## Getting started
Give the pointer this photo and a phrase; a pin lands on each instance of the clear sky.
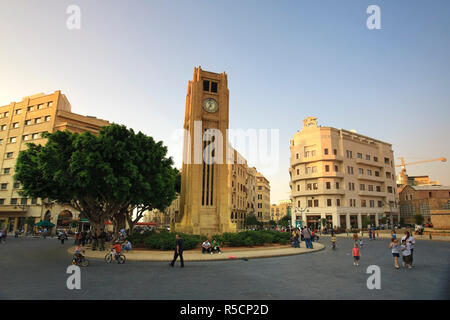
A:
(286, 60)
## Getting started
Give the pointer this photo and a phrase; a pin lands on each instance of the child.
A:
(361, 242)
(333, 241)
(356, 255)
(406, 253)
(394, 249)
(115, 250)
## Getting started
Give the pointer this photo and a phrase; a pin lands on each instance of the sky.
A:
(130, 62)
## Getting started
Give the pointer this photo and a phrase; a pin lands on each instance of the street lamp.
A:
(300, 210)
(391, 204)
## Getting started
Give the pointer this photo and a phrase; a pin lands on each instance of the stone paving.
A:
(196, 255)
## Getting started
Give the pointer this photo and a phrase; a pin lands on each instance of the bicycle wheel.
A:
(108, 258)
(121, 259)
(84, 262)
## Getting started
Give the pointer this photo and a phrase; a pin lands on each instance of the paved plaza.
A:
(36, 269)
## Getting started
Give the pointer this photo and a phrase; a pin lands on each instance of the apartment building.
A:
(280, 210)
(263, 198)
(341, 176)
(24, 122)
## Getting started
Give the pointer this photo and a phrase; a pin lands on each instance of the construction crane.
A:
(404, 176)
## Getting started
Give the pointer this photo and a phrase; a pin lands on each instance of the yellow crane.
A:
(404, 176)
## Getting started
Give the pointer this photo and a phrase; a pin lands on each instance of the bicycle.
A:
(120, 258)
(80, 260)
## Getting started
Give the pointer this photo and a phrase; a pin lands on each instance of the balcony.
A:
(370, 163)
(370, 178)
(318, 175)
(329, 157)
(372, 193)
(305, 193)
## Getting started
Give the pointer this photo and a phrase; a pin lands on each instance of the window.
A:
(378, 188)
(380, 204)
(47, 118)
(338, 202)
(9, 155)
(375, 159)
(309, 186)
(359, 155)
(430, 194)
(310, 203)
(213, 86)
(50, 104)
(1, 142)
(349, 154)
(37, 120)
(360, 170)
(370, 187)
(386, 160)
(16, 185)
(362, 187)
(40, 106)
(388, 175)
(298, 171)
(349, 170)
(6, 170)
(329, 202)
(336, 168)
(13, 200)
(35, 136)
(337, 185)
(27, 122)
(328, 184)
(296, 156)
(205, 85)
(367, 156)
(3, 186)
(308, 170)
(372, 203)
(335, 152)
(15, 125)
(389, 189)
(314, 169)
(315, 186)
(30, 108)
(26, 137)
(363, 203)
(2, 201)
(18, 111)
(12, 140)
(298, 187)
(377, 173)
(306, 154)
(327, 168)
(33, 201)
(23, 201)
(325, 151)
(3, 127)
(5, 114)
(369, 172)
(313, 153)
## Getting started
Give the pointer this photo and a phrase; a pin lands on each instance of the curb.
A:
(223, 257)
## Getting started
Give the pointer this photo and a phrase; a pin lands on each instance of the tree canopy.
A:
(101, 176)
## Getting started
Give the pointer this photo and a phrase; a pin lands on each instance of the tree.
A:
(323, 221)
(365, 221)
(419, 219)
(251, 220)
(105, 177)
(284, 222)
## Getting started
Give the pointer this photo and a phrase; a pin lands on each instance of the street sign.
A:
(298, 224)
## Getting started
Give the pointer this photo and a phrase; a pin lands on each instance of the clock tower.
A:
(204, 199)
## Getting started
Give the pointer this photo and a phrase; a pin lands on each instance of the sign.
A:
(298, 224)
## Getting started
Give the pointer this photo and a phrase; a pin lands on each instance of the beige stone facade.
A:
(280, 210)
(341, 176)
(23, 122)
(263, 198)
(216, 183)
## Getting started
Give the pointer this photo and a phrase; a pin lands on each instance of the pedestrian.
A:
(356, 254)
(395, 250)
(61, 237)
(370, 234)
(45, 233)
(178, 251)
(406, 253)
(355, 237)
(1, 236)
(409, 239)
(307, 235)
(373, 232)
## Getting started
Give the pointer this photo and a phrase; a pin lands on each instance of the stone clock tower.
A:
(204, 199)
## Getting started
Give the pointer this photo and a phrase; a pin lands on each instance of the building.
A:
(24, 122)
(341, 176)
(251, 190)
(214, 181)
(417, 181)
(280, 210)
(422, 200)
(263, 198)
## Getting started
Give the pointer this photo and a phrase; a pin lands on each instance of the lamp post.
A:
(391, 204)
(300, 210)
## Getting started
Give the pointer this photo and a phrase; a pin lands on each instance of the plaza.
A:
(34, 268)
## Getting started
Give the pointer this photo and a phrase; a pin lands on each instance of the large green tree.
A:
(105, 177)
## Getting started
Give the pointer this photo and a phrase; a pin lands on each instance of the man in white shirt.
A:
(206, 246)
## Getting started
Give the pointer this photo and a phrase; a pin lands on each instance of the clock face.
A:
(210, 105)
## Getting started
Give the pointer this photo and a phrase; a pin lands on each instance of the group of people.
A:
(304, 234)
(209, 247)
(404, 247)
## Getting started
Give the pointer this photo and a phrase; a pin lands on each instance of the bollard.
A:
(430, 236)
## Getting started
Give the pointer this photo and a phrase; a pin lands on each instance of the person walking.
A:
(356, 254)
(406, 253)
(45, 233)
(296, 239)
(410, 240)
(395, 250)
(307, 234)
(178, 251)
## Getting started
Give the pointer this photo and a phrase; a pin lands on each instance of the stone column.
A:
(347, 220)
(377, 223)
(304, 218)
(359, 221)
(336, 220)
(16, 221)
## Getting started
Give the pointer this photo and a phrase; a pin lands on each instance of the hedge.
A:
(166, 240)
